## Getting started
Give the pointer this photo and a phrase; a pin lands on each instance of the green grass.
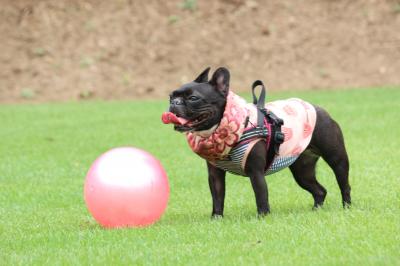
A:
(45, 151)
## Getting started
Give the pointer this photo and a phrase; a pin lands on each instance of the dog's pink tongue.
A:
(168, 118)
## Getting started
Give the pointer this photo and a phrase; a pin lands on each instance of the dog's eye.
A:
(193, 98)
(171, 98)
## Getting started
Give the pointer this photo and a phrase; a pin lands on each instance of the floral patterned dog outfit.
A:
(228, 145)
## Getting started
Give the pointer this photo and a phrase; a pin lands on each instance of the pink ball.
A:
(126, 187)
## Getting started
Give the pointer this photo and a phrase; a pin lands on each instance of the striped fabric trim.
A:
(260, 132)
(234, 160)
(279, 163)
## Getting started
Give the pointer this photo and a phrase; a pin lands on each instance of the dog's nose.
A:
(177, 101)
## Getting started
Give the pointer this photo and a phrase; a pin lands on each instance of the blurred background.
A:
(129, 49)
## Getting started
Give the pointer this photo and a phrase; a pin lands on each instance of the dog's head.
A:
(200, 104)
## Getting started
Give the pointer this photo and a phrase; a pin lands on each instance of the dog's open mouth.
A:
(183, 124)
(171, 118)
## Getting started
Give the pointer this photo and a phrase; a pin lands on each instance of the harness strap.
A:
(276, 137)
(260, 102)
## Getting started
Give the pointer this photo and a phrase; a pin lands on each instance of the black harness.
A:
(276, 137)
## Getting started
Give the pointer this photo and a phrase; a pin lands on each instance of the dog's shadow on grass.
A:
(278, 213)
(235, 216)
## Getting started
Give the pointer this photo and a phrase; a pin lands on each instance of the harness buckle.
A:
(279, 137)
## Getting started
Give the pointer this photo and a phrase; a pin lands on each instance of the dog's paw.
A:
(317, 206)
(346, 205)
(262, 214)
(216, 217)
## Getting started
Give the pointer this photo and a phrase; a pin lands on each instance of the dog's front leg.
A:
(255, 168)
(216, 180)
(261, 193)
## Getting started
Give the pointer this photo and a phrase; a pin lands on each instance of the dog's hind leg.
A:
(303, 170)
(339, 163)
(340, 167)
(328, 140)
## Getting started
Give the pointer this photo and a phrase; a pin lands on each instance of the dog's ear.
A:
(203, 77)
(220, 80)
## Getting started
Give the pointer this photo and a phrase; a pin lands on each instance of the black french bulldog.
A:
(199, 106)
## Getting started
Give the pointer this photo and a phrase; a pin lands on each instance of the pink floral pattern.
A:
(299, 121)
(226, 134)
(288, 132)
(218, 144)
(289, 110)
(307, 130)
(297, 150)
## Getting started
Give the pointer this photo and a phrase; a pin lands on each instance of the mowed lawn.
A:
(46, 150)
